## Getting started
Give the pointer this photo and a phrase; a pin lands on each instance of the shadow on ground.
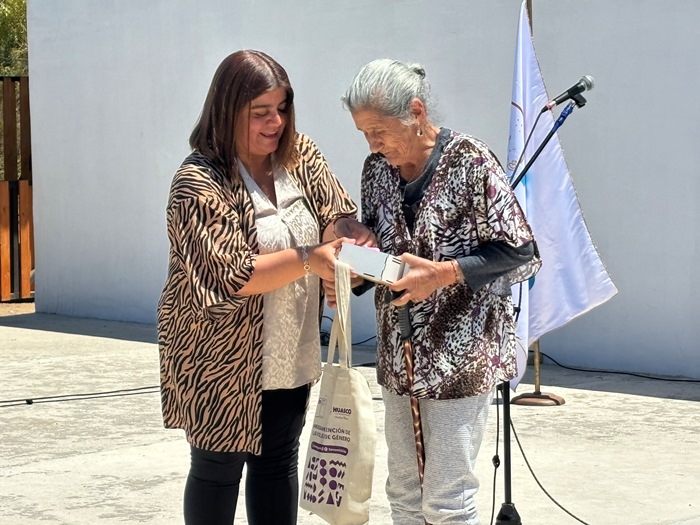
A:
(364, 355)
(613, 382)
(144, 333)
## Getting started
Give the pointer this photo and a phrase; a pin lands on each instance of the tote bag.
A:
(337, 475)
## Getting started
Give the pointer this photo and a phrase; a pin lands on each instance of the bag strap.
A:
(340, 330)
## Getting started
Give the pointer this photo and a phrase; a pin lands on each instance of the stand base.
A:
(508, 514)
(538, 399)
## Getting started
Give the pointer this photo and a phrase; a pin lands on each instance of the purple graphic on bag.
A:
(323, 481)
(329, 449)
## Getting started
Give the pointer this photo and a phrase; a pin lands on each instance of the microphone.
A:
(586, 83)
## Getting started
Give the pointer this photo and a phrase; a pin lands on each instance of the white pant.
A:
(452, 433)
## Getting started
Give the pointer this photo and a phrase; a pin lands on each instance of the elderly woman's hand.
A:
(423, 278)
(354, 229)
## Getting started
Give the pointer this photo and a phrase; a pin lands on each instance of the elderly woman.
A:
(440, 200)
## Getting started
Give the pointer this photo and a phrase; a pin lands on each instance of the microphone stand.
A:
(577, 100)
(508, 513)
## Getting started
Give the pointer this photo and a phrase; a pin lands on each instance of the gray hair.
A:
(387, 86)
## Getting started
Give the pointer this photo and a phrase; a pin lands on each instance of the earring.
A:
(419, 132)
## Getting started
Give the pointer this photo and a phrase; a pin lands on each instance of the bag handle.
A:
(340, 330)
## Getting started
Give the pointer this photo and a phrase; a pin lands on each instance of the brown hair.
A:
(241, 77)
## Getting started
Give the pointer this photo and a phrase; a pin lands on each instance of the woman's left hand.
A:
(422, 279)
(349, 230)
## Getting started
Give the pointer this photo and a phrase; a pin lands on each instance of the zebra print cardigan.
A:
(463, 340)
(210, 339)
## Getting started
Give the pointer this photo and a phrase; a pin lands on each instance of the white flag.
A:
(572, 279)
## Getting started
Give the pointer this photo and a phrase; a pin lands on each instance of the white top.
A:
(291, 336)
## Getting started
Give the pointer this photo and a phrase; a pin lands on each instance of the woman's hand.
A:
(349, 230)
(322, 258)
(329, 283)
(329, 288)
(329, 291)
(422, 279)
(354, 229)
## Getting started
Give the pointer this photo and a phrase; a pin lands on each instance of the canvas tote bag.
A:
(337, 475)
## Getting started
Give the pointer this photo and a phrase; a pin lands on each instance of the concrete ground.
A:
(91, 447)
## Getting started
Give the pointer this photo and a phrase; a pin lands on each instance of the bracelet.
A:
(458, 271)
(305, 260)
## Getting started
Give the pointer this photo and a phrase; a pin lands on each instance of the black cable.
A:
(366, 340)
(497, 463)
(117, 393)
(537, 480)
(527, 141)
(517, 308)
(496, 460)
(326, 336)
(79, 397)
(643, 376)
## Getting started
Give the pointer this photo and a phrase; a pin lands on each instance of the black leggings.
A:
(272, 482)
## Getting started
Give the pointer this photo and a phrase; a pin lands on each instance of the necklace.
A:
(427, 144)
(263, 172)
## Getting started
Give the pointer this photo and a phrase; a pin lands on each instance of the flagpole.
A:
(537, 398)
(528, 6)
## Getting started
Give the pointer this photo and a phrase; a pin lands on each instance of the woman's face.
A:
(262, 124)
(388, 136)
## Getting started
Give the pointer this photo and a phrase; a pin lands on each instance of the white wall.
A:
(117, 85)
(634, 157)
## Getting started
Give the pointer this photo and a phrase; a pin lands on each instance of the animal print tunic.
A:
(210, 338)
(463, 341)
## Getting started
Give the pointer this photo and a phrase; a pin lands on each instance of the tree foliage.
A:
(13, 37)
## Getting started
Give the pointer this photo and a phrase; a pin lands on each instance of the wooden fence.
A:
(16, 217)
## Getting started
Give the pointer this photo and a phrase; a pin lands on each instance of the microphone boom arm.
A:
(562, 117)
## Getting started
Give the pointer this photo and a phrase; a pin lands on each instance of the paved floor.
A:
(621, 451)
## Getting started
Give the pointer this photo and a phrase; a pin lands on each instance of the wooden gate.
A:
(16, 221)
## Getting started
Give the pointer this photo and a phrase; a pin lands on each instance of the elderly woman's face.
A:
(388, 136)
